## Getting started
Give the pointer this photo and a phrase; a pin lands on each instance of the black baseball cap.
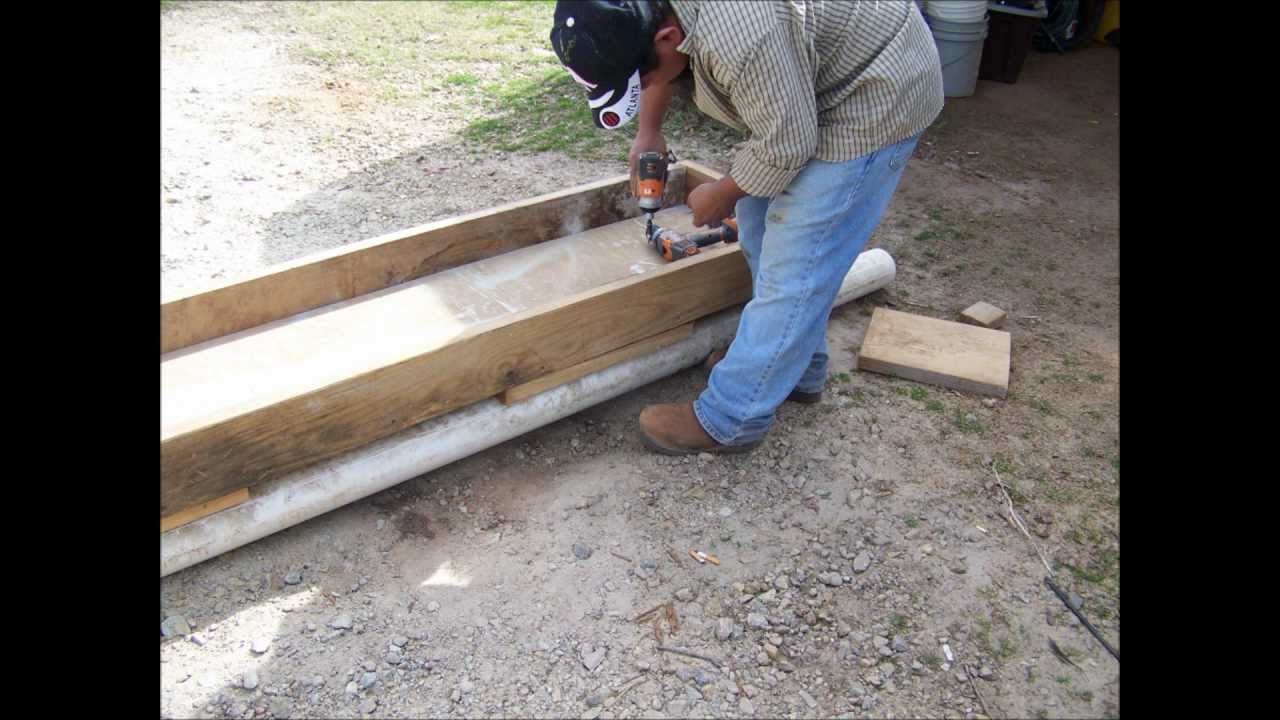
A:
(605, 45)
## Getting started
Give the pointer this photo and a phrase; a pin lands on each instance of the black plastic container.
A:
(1009, 33)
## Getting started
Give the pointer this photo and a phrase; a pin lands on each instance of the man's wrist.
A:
(728, 188)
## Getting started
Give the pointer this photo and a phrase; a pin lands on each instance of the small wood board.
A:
(983, 314)
(939, 352)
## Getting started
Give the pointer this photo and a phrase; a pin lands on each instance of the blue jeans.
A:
(799, 246)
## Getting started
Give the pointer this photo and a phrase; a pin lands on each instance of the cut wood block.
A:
(984, 314)
(939, 352)
(568, 375)
(192, 514)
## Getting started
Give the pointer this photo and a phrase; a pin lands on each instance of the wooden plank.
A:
(568, 375)
(251, 370)
(939, 352)
(192, 514)
(347, 375)
(190, 318)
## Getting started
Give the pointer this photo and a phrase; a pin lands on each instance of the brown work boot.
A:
(673, 429)
(808, 398)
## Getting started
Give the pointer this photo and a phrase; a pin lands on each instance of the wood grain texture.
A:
(242, 410)
(983, 314)
(568, 375)
(939, 352)
(190, 318)
(192, 514)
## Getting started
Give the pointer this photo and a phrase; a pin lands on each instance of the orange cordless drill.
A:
(650, 183)
(673, 245)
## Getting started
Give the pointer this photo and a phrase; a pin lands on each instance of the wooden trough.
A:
(308, 360)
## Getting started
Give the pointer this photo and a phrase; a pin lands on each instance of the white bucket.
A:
(960, 51)
(956, 11)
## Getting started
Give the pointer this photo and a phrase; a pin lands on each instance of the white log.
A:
(332, 483)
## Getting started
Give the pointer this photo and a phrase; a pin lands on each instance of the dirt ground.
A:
(865, 558)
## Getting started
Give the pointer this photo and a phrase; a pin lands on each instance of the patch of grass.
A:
(1096, 377)
(964, 424)
(1083, 573)
(1003, 466)
(1115, 463)
(1094, 414)
(1041, 405)
(984, 631)
(1063, 679)
(933, 662)
(919, 393)
(1015, 492)
(1059, 379)
(844, 377)
(1006, 649)
(899, 622)
(439, 56)
(539, 115)
(1070, 361)
(1056, 491)
(462, 79)
(1085, 695)
(934, 406)
(901, 390)
(911, 521)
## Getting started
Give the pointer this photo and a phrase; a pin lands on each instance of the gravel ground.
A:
(865, 565)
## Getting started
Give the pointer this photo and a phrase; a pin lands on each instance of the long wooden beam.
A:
(344, 273)
(204, 457)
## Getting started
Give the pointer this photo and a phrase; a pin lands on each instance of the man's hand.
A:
(645, 141)
(713, 202)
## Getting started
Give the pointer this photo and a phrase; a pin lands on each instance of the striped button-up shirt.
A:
(830, 80)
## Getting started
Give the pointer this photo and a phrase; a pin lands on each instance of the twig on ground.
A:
(628, 685)
(969, 674)
(689, 653)
(1062, 655)
(645, 615)
(620, 557)
(1017, 521)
